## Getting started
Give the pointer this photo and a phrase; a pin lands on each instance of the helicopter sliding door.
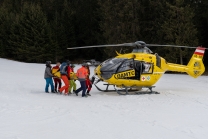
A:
(142, 67)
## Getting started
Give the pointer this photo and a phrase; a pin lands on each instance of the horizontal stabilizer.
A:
(195, 65)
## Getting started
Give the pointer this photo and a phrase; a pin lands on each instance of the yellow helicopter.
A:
(141, 68)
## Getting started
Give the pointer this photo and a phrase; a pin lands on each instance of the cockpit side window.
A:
(111, 65)
(126, 65)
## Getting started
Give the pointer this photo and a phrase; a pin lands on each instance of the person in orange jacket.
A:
(82, 75)
(56, 79)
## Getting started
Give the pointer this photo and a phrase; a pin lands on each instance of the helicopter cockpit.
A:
(118, 65)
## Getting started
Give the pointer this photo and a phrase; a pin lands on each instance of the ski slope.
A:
(180, 111)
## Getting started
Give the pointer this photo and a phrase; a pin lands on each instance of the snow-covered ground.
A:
(180, 111)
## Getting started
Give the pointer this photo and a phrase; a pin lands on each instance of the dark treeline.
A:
(40, 30)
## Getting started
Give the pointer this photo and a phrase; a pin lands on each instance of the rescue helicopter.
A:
(141, 68)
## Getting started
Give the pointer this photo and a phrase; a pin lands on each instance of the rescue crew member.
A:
(73, 77)
(82, 75)
(65, 76)
(57, 76)
(88, 81)
(48, 77)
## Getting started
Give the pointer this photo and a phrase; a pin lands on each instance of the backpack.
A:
(63, 68)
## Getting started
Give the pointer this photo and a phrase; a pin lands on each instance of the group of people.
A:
(64, 73)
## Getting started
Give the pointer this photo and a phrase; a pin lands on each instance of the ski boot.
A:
(88, 93)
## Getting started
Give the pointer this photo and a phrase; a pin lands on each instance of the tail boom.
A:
(195, 66)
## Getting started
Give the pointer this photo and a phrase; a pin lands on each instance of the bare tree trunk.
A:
(181, 57)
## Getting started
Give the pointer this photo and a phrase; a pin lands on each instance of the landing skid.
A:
(106, 90)
(107, 85)
(125, 91)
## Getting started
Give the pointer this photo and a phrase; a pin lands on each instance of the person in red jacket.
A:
(57, 80)
(88, 81)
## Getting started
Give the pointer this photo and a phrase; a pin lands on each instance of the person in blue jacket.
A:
(48, 77)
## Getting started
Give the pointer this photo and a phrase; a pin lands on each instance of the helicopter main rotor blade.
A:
(158, 45)
(108, 45)
(138, 44)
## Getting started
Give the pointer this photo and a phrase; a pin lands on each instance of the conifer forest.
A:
(35, 31)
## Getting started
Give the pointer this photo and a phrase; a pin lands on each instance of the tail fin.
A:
(195, 65)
